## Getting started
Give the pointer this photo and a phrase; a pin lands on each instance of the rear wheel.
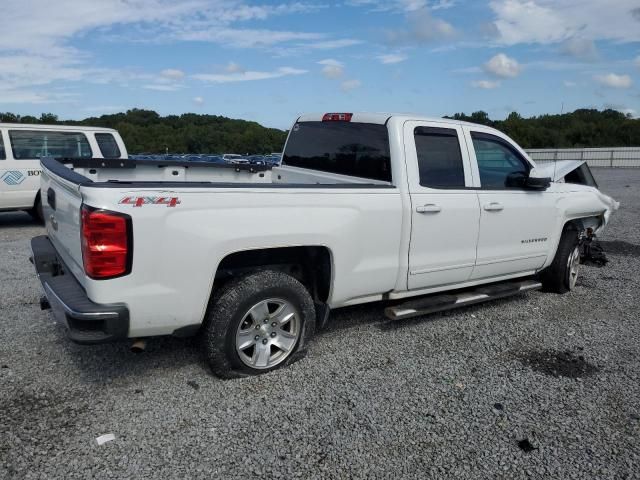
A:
(561, 276)
(257, 323)
(36, 211)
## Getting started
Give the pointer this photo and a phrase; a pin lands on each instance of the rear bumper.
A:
(86, 321)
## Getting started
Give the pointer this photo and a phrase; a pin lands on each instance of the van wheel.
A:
(561, 276)
(257, 323)
(36, 211)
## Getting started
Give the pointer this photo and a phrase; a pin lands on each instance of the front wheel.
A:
(257, 323)
(561, 276)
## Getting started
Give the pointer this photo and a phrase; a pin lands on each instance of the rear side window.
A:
(439, 157)
(33, 144)
(346, 148)
(3, 154)
(498, 162)
(108, 146)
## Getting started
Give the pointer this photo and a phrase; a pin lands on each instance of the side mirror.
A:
(537, 183)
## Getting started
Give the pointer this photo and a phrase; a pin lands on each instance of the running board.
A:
(448, 301)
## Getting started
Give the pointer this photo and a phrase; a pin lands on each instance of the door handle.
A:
(429, 208)
(493, 207)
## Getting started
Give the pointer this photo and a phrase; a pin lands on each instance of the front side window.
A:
(500, 165)
(3, 154)
(346, 148)
(439, 157)
(35, 144)
(108, 146)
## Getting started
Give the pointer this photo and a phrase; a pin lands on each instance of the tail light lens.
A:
(106, 243)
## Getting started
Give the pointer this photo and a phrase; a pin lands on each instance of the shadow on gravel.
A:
(557, 364)
(102, 363)
(620, 247)
(17, 220)
(30, 418)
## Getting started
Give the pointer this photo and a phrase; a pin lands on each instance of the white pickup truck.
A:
(363, 208)
(22, 145)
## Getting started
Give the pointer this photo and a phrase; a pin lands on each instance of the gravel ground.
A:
(532, 386)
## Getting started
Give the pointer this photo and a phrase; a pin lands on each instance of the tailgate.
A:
(61, 202)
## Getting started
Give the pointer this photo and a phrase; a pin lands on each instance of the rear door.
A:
(514, 222)
(445, 212)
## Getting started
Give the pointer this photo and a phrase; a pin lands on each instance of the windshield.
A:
(345, 148)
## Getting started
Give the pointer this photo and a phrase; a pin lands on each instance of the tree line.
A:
(144, 131)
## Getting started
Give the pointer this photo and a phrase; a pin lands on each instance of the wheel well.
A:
(582, 224)
(310, 265)
(36, 199)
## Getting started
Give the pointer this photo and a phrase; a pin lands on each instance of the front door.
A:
(445, 212)
(514, 222)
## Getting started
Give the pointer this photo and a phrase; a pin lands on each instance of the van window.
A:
(346, 148)
(108, 146)
(439, 157)
(3, 155)
(34, 144)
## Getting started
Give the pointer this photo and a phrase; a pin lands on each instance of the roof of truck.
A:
(381, 118)
(43, 126)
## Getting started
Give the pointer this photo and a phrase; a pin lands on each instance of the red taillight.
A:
(106, 243)
(337, 117)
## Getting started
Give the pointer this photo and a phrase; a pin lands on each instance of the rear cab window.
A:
(35, 144)
(3, 153)
(344, 148)
(108, 145)
(440, 162)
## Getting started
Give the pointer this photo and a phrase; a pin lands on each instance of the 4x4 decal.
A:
(140, 201)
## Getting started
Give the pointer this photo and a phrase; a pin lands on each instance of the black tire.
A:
(230, 307)
(556, 277)
(36, 211)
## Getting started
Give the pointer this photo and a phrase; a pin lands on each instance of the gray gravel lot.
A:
(449, 395)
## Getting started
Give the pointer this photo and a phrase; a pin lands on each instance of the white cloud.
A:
(332, 68)
(332, 44)
(553, 21)
(612, 80)
(569, 84)
(422, 28)
(172, 74)
(581, 48)
(244, 38)
(401, 5)
(233, 67)
(37, 36)
(349, 85)
(392, 58)
(163, 87)
(485, 84)
(248, 75)
(199, 101)
(503, 66)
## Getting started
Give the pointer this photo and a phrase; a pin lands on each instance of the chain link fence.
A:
(623, 157)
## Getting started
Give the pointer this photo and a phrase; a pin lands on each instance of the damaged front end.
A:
(577, 172)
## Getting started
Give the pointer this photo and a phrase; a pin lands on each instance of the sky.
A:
(270, 61)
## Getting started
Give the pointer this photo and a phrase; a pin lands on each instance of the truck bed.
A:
(98, 172)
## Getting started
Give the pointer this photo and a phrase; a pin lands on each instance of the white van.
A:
(22, 146)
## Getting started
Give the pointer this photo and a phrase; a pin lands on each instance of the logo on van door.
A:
(13, 177)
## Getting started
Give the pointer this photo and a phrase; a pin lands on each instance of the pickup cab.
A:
(424, 214)
(22, 146)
